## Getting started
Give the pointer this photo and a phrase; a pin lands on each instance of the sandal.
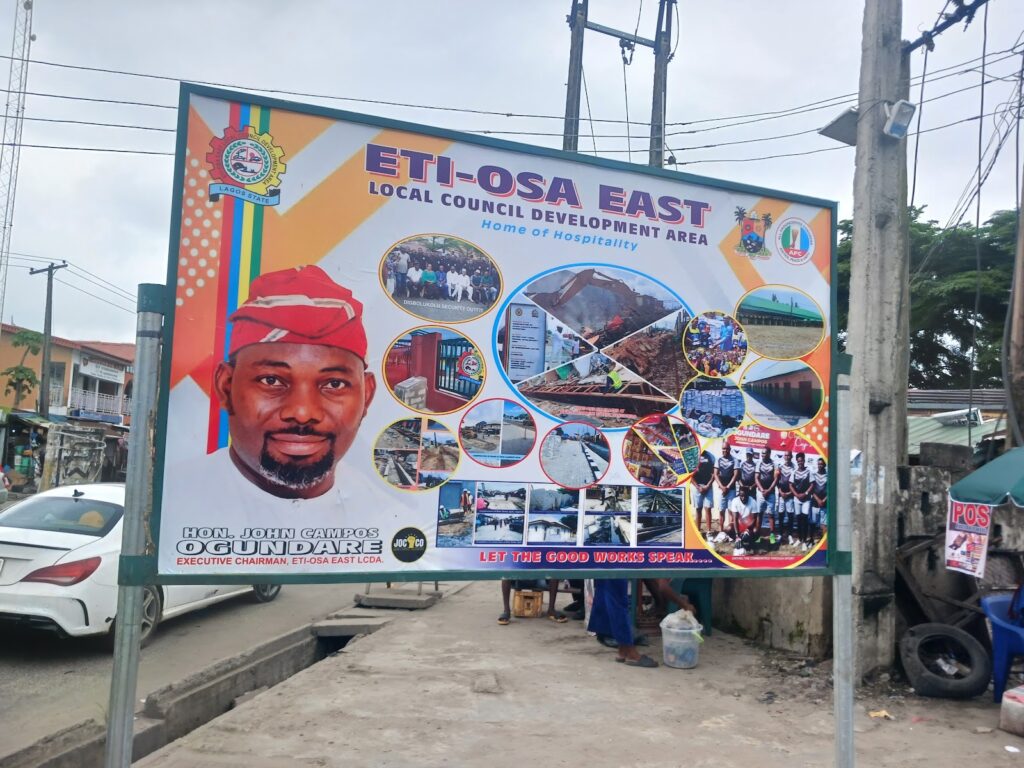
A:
(558, 618)
(504, 618)
(644, 661)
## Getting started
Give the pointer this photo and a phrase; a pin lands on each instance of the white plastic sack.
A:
(681, 619)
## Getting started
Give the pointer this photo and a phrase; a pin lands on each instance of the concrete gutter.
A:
(174, 710)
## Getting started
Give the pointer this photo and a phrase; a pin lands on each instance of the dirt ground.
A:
(778, 341)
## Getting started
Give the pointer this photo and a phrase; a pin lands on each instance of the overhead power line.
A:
(409, 105)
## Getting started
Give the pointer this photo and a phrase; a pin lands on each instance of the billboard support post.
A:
(138, 502)
(842, 586)
(578, 22)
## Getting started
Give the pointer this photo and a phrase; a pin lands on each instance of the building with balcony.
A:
(89, 380)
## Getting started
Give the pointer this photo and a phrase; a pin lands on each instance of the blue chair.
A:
(699, 592)
(1007, 640)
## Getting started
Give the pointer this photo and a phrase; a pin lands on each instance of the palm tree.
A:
(741, 214)
(767, 219)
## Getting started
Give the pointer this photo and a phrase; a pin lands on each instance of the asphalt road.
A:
(47, 684)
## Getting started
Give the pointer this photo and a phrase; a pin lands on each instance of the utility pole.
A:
(577, 23)
(661, 46)
(1015, 350)
(44, 395)
(662, 52)
(879, 329)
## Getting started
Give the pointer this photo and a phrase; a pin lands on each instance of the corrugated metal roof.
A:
(754, 304)
(926, 429)
(956, 399)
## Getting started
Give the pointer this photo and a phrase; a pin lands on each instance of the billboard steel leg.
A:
(138, 502)
(842, 585)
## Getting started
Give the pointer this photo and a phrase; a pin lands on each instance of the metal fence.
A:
(448, 379)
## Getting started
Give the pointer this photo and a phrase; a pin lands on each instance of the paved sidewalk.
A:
(449, 687)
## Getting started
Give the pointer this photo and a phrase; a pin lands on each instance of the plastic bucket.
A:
(681, 647)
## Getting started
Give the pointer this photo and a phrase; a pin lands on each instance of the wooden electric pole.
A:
(44, 385)
(878, 332)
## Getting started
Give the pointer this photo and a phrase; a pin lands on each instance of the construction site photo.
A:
(416, 454)
(607, 518)
(456, 503)
(574, 455)
(781, 322)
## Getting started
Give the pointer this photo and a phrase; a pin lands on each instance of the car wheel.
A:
(152, 611)
(944, 662)
(265, 593)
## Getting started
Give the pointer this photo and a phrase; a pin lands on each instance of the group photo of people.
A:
(438, 277)
(765, 501)
(715, 344)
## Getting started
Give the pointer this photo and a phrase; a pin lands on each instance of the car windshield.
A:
(63, 514)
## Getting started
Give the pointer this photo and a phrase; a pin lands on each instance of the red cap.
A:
(302, 305)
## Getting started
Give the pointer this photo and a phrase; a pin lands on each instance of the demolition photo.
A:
(713, 407)
(530, 342)
(442, 278)
(456, 503)
(656, 353)
(497, 433)
(434, 370)
(715, 344)
(783, 395)
(660, 451)
(574, 455)
(782, 323)
(597, 390)
(602, 304)
(498, 528)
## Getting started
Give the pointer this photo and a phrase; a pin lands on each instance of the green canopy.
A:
(992, 483)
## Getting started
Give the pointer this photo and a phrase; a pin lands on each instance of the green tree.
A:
(21, 379)
(943, 281)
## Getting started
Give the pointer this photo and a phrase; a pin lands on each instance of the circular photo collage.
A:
(575, 455)
(497, 433)
(416, 454)
(660, 451)
(441, 278)
(715, 344)
(434, 370)
(598, 344)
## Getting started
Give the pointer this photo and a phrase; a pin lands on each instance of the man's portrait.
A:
(295, 385)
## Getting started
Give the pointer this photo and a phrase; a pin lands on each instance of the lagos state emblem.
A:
(247, 165)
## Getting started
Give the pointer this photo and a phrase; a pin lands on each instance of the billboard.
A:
(397, 350)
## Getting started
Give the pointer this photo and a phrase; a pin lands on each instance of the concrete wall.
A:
(794, 614)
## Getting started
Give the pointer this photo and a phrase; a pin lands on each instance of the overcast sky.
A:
(109, 214)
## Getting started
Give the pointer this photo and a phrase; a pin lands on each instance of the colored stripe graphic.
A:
(241, 251)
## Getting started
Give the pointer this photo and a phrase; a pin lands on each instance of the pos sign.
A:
(967, 531)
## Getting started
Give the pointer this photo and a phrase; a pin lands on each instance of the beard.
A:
(294, 474)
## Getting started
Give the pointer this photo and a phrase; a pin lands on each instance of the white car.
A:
(59, 555)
